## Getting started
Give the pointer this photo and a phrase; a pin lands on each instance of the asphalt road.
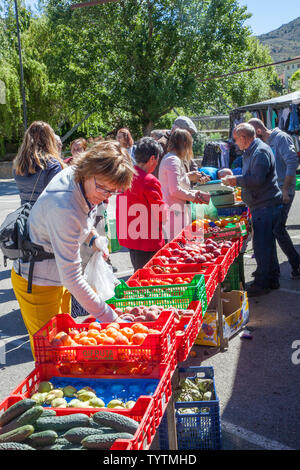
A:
(257, 380)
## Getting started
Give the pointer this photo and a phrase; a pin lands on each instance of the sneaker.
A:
(254, 290)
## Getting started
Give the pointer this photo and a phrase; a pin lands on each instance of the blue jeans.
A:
(283, 238)
(264, 245)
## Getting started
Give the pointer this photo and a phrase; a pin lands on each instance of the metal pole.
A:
(21, 68)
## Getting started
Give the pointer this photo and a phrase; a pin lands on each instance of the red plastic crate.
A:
(143, 412)
(156, 348)
(161, 396)
(148, 273)
(191, 325)
(211, 281)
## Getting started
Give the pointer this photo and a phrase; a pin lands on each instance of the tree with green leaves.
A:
(139, 59)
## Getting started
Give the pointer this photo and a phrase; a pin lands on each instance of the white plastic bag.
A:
(100, 276)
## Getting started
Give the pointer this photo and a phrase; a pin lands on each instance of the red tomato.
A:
(157, 269)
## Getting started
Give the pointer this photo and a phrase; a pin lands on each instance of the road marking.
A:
(295, 236)
(254, 438)
(15, 341)
(290, 291)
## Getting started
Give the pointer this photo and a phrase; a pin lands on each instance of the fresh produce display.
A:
(149, 312)
(93, 392)
(118, 395)
(196, 390)
(66, 432)
(164, 282)
(94, 369)
(111, 334)
(206, 252)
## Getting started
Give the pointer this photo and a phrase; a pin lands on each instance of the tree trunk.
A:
(148, 128)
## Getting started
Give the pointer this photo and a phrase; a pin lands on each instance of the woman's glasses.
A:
(101, 189)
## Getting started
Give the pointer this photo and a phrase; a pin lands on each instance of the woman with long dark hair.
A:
(37, 162)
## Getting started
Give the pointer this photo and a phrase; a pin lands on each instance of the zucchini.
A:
(62, 423)
(28, 417)
(42, 439)
(103, 441)
(15, 446)
(17, 435)
(16, 410)
(75, 435)
(116, 421)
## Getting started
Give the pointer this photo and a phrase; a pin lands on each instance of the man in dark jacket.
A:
(287, 162)
(260, 191)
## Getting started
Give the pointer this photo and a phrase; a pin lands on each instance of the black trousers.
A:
(140, 258)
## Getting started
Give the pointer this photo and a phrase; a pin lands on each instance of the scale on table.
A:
(220, 194)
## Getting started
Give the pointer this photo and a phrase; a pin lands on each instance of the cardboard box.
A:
(235, 316)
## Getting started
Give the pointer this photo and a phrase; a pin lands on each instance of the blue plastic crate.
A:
(198, 430)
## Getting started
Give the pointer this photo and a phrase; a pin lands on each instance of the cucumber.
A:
(42, 439)
(67, 446)
(116, 421)
(17, 435)
(15, 446)
(103, 441)
(48, 412)
(28, 417)
(16, 410)
(62, 423)
(75, 435)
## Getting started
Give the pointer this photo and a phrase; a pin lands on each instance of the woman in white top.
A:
(176, 182)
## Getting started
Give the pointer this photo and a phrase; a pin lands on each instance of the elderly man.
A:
(182, 122)
(260, 191)
(287, 162)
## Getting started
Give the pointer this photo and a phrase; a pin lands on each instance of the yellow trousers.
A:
(38, 307)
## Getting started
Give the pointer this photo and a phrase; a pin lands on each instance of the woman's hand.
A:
(100, 244)
(202, 197)
(198, 177)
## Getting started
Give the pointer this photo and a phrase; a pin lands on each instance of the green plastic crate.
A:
(235, 275)
(232, 279)
(193, 290)
(173, 295)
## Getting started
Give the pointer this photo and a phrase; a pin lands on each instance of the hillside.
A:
(284, 42)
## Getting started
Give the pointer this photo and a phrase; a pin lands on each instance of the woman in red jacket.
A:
(141, 211)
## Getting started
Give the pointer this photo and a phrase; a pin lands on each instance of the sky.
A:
(267, 15)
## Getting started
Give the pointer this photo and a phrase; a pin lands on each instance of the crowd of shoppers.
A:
(153, 181)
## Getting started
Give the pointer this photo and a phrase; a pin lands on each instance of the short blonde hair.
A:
(181, 143)
(107, 160)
